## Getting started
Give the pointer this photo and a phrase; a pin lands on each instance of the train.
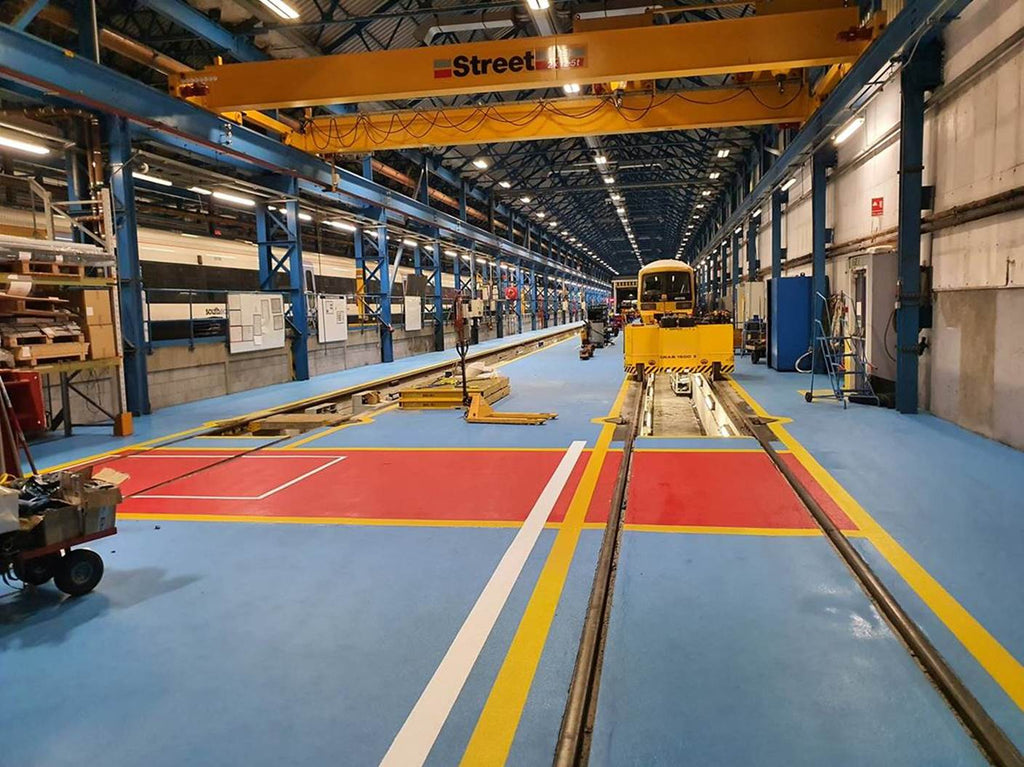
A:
(671, 335)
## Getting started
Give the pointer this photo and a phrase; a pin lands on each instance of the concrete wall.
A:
(973, 371)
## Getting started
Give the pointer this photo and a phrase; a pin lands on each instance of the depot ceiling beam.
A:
(758, 43)
(52, 71)
(561, 118)
(202, 26)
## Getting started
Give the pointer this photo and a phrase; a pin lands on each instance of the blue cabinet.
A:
(789, 321)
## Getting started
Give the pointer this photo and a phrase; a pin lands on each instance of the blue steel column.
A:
(822, 161)
(436, 272)
(129, 272)
(533, 299)
(499, 316)
(387, 341)
(519, 298)
(922, 73)
(736, 240)
(752, 250)
(273, 233)
(777, 199)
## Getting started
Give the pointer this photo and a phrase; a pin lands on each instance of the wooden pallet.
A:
(33, 305)
(43, 269)
(31, 331)
(447, 393)
(31, 355)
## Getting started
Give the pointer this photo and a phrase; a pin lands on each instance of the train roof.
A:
(666, 265)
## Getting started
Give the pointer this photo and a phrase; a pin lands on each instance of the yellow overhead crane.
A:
(776, 43)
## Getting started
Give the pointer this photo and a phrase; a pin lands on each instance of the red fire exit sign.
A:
(877, 206)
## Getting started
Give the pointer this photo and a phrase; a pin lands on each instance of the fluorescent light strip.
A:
(281, 8)
(151, 179)
(200, 190)
(848, 130)
(23, 146)
(345, 226)
(235, 199)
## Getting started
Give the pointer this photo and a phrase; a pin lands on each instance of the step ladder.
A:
(845, 362)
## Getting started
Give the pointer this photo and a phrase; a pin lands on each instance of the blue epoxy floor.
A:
(729, 650)
(951, 498)
(223, 643)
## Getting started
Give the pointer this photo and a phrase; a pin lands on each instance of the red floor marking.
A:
(493, 485)
(835, 513)
(246, 478)
(601, 502)
(151, 469)
(721, 489)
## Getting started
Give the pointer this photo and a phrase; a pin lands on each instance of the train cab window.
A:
(674, 286)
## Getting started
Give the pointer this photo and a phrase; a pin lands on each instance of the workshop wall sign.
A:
(533, 60)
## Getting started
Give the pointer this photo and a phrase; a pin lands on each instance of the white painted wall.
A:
(973, 371)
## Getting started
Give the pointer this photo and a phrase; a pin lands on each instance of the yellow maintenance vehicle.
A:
(670, 336)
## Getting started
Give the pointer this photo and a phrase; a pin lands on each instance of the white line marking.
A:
(413, 742)
(267, 494)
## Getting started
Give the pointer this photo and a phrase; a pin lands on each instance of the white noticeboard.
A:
(255, 321)
(332, 316)
(413, 313)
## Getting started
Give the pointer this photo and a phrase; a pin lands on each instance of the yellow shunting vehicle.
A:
(670, 336)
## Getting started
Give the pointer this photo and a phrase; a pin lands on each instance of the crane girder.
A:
(749, 44)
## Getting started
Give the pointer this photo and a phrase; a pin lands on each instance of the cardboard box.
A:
(60, 524)
(93, 306)
(101, 342)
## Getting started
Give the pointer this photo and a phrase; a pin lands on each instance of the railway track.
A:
(573, 745)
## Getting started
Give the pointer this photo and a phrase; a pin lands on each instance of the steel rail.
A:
(990, 738)
(573, 746)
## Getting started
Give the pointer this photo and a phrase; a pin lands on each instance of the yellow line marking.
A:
(701, 450)
(781, 532)
(296, 403)
(496, 727)
(432, 449)
(1006, 670)
(353, 521)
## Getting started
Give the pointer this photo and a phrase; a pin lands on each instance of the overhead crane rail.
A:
(573, 745)
(765, 43)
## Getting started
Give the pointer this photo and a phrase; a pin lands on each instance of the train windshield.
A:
(675, 286)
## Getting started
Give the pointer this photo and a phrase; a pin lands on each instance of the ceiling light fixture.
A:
(723, 153)
(234, 198)
(504, 184)
(601, 159)
(281, 8)
(345, 226)
(848, 130)
(481, 163)
(571, 88)
(23, 146)
(788, 185)
(756, 213)
(409, 243)
(305, 217)
(538, 5)
(526, 200)
(609, 179)
(714, 175)
(151, 179)
(200, 190)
